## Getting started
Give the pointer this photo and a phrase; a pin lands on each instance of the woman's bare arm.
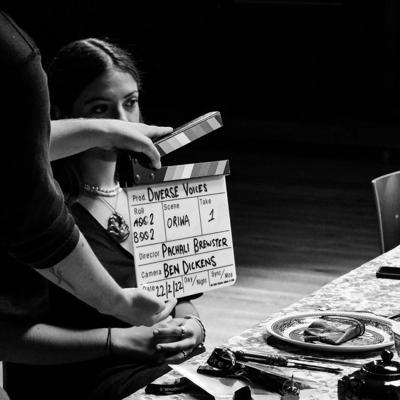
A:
(44, 344)
(82, 274)
(71, 136)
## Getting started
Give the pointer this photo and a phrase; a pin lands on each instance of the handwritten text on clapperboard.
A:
(182, 236)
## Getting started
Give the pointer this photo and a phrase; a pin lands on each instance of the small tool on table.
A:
(287, 361)
(270, 359)
(327, 360)
(223, 363)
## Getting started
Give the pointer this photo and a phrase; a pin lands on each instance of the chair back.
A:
(3, 394)
(387, 200)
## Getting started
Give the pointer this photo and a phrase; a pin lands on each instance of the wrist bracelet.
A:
(198, 320)
(108, 342)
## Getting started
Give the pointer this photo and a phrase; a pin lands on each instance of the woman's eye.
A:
(99, 109)
(131, 103)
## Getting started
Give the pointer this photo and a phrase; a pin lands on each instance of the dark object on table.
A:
(376, 380)
(243, 393)
(290, 391)
(387, 272)
(181, 385)
(271, 359)
(333, 330)
(223, 362)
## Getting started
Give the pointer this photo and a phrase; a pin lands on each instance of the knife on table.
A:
(272, 359)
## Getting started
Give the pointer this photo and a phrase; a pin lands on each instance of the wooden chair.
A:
(387, 200)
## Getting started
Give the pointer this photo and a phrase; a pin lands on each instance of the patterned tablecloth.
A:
(358, 290)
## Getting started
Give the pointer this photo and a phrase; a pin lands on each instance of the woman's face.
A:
(112, 95)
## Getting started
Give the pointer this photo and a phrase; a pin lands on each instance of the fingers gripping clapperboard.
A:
(179, 219)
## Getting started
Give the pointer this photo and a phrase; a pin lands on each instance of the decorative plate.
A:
(290, 328)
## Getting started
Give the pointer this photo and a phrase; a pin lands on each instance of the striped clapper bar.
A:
(146, 176)
(189, 132)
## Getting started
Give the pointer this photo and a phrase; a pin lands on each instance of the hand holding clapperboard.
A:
(179, 220)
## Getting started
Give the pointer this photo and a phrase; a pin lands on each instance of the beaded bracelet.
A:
(198, 320)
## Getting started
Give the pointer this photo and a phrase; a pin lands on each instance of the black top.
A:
(68, 310)
(100, 379)
(36, 227)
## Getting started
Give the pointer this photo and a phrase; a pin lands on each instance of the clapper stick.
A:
(189, 132)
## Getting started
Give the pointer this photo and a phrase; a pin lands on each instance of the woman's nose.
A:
(120, 113)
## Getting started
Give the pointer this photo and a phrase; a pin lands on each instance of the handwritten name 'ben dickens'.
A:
(188, 266)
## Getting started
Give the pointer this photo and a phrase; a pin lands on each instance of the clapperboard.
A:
(179, 219)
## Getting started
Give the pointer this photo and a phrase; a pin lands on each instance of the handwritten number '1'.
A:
(211, 215)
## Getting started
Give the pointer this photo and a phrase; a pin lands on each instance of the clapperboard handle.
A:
(139, 172)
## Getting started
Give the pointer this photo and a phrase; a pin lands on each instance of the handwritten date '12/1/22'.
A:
(166, 289)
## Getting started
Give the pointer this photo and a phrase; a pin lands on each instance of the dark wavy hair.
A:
(74, 67)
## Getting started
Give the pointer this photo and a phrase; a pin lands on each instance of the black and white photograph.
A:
(201, 200)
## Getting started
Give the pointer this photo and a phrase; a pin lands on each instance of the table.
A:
(358, 290)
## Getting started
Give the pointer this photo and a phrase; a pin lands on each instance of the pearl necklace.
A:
(99, 191)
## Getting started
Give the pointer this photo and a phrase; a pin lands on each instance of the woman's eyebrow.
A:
(134, 92)
(98, 98)
(92, 99)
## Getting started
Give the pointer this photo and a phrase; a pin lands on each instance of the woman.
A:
(94, 79)
(40, 232)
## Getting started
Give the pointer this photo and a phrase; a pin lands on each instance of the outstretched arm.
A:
(81, 274)
(71, 136)
(44, 344)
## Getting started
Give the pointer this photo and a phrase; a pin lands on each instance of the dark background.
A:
(308, 92)
(304, 72)
(309, 96)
